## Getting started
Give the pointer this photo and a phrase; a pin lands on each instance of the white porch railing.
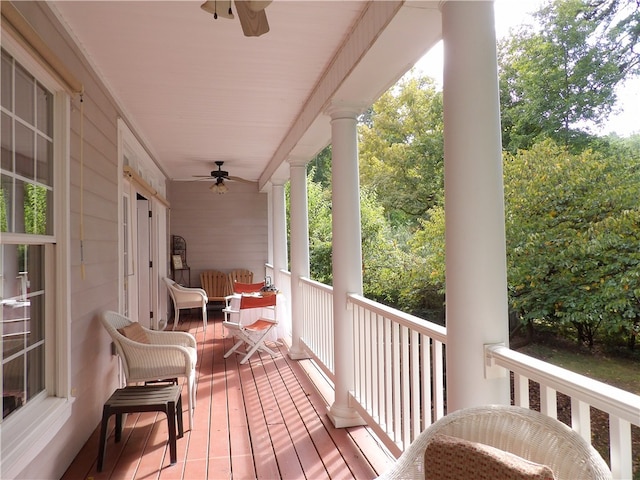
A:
(317, 325)
(399, 371)
(399, 376)
(622, 407)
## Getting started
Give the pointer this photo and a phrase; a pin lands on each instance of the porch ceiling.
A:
(196, 90)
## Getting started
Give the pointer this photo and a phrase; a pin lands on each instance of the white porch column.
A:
(347, 256)
(476, 273)
(299, 217)
(279, 229)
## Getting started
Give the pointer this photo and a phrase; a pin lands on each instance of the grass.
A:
(621, 372)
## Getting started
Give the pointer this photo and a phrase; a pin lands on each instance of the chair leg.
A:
(176, 317)
(258, 345)
(234, 348)
(191, 391)
(204, 316)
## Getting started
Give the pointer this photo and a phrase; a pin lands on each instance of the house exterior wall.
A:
(222, 232)
(97, 289)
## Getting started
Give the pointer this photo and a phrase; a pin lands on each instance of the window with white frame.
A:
(27, 233)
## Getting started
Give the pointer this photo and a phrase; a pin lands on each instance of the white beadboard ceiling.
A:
(196, 90)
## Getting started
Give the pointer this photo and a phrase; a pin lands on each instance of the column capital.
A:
(339, 110)
(277, 182)
(297, 161)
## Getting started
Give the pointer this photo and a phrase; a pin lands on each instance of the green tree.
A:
(573, 241)
(382, 261)
(619, 29)
(401, 150)
(557, 80)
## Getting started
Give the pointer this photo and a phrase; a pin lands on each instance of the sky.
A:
(509, 13)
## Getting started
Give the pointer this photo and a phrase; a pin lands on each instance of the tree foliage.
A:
(401, 150)
(557, 80)
(382, 260)
(619, 29)
(573, 240)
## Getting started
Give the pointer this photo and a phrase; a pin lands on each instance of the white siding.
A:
(223, 232)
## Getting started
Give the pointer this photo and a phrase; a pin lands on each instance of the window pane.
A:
(6, 82)
(44, 110)
(13, 390)
(44, 161)
(7, 143)
(35, 371)
(24, 100)
(36, 209)
(25, 142)
(31, 275)
(6, 203)
(23, 321)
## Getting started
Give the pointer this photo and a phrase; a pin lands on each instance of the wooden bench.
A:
(147, 398)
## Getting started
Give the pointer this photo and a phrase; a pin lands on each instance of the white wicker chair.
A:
(186, 297)
(168, 355)
(523, 432)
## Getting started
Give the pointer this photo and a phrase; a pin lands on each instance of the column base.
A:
(342, 417)
(298, 354)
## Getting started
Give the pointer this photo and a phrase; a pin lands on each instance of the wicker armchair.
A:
(167, 355)
(186, 298)
(529, 434)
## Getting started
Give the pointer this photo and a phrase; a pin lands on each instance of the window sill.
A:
(24, 437)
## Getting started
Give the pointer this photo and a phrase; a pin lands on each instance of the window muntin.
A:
(27, 152)
(26, 220)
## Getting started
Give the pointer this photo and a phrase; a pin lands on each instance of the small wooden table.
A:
(147, 398)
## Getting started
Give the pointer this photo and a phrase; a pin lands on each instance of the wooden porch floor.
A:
(265, 420)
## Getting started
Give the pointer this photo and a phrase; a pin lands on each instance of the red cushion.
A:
(247, 287)
(257, 302)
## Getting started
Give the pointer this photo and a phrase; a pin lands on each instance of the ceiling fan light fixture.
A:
(219, 187)
(211, 6)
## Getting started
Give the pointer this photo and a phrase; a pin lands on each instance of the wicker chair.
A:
(168, 355)
(526, 433)
(186, 298)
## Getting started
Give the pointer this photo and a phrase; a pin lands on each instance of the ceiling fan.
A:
(220, 176)
(250, 12)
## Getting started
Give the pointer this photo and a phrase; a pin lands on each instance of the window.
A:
(26, 223)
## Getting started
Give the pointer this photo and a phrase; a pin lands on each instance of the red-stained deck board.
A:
(261, 420)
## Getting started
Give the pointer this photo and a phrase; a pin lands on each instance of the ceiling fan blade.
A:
(239, 179)
(254, 23)
(257, 5)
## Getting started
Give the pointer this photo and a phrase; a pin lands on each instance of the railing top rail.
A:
(430, 329)
(607, 398)
(318, 285)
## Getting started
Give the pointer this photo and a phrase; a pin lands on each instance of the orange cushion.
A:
(451, 458)
(257, 302)
(135, 332)
(239, 287)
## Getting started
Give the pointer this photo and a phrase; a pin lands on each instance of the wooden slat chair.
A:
(240, 275)
(216, 284)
